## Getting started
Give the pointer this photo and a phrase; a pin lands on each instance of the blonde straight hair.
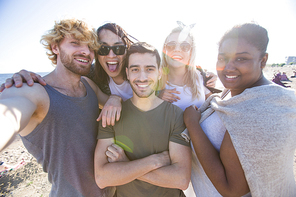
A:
(191, 77)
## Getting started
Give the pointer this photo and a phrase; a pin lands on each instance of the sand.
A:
(30, 180)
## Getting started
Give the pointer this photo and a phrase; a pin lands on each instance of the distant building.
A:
(290, 59)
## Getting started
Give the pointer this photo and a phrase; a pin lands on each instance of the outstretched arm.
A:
(20, 112)
(119, 173)
(223, 168)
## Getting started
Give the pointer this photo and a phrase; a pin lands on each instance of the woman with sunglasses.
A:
(183, 83)
(109, 70)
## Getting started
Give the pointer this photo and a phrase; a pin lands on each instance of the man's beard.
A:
(140, 94)
(69, 63)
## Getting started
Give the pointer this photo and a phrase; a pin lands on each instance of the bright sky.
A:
(24, 22)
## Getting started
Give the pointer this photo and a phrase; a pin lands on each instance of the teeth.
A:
(177, 57)
(231, 77)
(111, 62)
(143, 86)
(82, 60)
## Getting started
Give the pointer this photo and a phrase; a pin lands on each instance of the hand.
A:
(20, 77)
(115, 154)
(191, 116)
(110, 111)
(162, 159)
(169, 95)
(212, 81)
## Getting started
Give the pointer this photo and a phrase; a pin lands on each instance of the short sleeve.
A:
(105, 132)
(178, 128)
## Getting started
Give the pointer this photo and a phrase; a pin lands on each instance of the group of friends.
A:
(160, 127)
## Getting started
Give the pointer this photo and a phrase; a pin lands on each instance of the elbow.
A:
(235, 192)
(183, 183)
(100, 182)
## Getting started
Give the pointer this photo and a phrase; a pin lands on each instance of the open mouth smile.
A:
(112, 66)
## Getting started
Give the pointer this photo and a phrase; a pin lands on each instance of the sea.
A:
(4, 76)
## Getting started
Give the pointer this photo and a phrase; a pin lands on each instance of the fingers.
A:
(212, 81)
(24, 75)
(38, 78)
(111, 110)
(2, 87)
(8, 83)
(169, 95)
(115, 153)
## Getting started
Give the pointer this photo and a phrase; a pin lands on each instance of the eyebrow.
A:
(236, 53)
(116, 43)
(132, 66)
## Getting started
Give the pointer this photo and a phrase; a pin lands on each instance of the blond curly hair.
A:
(69, 27)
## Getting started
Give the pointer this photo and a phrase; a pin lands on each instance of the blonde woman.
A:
(183, 83)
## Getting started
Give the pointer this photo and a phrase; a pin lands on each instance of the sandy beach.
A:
(29, 180)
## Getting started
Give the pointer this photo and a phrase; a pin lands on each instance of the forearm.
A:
(119, 173)
(207, 154)
(7, 131)
(172, 176)
(11, 120)
(225, 175)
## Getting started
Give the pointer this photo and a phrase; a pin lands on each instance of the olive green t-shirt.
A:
(143, 133)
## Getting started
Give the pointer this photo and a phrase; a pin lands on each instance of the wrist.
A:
(115, 96)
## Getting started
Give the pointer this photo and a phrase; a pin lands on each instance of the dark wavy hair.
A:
(101, 77)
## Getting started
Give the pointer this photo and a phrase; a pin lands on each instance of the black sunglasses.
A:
(117, 50)
(184, 46)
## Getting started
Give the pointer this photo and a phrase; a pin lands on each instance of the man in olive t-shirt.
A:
(157, 160)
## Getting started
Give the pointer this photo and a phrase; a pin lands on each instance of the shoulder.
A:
(172, 109)
(92, 84)
(35, 92)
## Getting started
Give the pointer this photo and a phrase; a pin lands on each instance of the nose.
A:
(85, 50)
(177, 48)
(142, 75)
(111, 53)
(229, 65)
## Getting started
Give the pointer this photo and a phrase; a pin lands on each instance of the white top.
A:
(215, 130)
(186, 96)
(123, 90)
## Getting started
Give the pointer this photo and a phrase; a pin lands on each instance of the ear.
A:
(264, 60)
(55, 48)
(160, 73)
(127, 75)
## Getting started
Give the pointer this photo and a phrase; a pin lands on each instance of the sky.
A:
(22, 23)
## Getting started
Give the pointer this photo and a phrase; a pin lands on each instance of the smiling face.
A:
(111, 63)
(239, 65)
(143, 74)
(177, 57)
(74, 55)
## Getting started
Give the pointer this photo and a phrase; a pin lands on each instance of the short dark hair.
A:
(142, 47)
(252, 33)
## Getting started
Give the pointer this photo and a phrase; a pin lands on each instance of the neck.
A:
(66, 82)
(146, 104)
(118, 79)
(176, 75)
(261, 81)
